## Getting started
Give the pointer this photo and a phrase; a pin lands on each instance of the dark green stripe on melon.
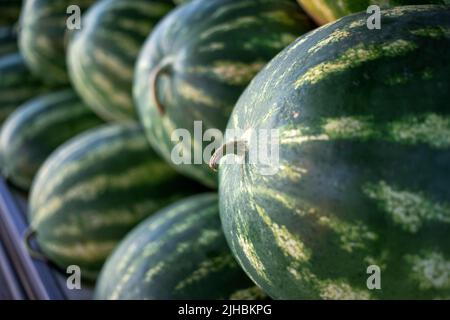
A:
(9, 12)
(102, 54)
(206, 53)
(8, 40)
(324, 11)
(363, 173)
(44, 34)
(95, 188)
(179, 253)
(37, 128)
(17, 84)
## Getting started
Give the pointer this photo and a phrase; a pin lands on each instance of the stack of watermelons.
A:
(110, 112)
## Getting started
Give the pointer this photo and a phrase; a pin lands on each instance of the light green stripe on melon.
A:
(235, 24)
(429, 129)
(130, 263)
(205, 238)
(192, 146)
(288, 243)
(252, 293)
(104, 152)
(156, 269)
(93, 220)
(295, 136)
(189, 92)
(230, 72)
(175, 212)
(117, 95)
(303, 39)
(78, 76)
(213, 46)
(402, 10)
(433, 130)
(53, 116)
(349, 128)
(133, 26)
(236, 6)
(279, 42)
(152, 248)
(290, 172)
(335, 36)
(82, 251)
(128, 256)
(279, 197)
(328, 289)
(89, 189)
(430, 270)
(340, 290)
(352, 236)
(432, 32)
(354, 57)
(249, 251)
(358, 24)
(410, 210)
(113, 64)
(206, 268)
(127, 45)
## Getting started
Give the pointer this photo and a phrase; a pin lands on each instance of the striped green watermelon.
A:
(9, 12)
(324, 11)
(363, 176)
(17, 84)
(179, 253)
(38, 127)
(8, 41)
(44, 34)
(102, 55)
(93, 189)
(198, 61)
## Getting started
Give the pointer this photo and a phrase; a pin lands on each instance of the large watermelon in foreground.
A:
(44, 33)
(179, 253)
(103, 53)
(17, 84)
(198, 61)
(37, 128)
(94, 189)
(363, 175)
(324, 11)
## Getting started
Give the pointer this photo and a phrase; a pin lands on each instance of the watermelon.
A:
(44, 34)
(38, 127)
(324, 11)
(362, 176)
(17, 84)
(102, 55)
(93, 189)
(8, 41)
(178, 253)
(198, 61)
(10, 11)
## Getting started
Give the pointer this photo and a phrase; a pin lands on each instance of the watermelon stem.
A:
(28, 236)
(162, 68)
(237, 147)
